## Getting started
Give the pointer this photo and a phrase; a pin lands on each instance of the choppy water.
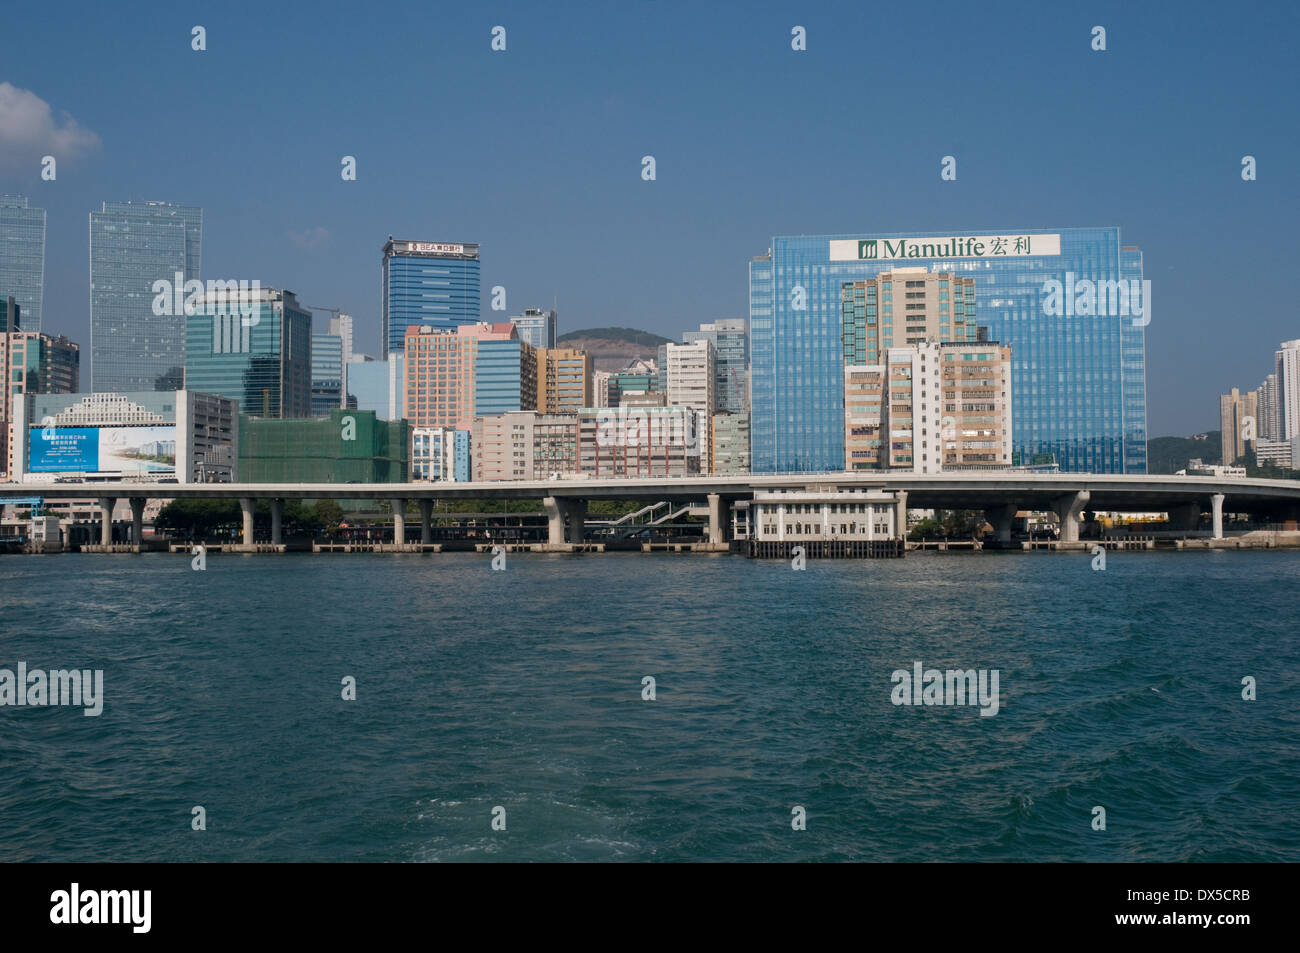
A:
(523, 689)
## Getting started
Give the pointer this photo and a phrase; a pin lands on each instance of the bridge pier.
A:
(248, 505)
(106, 504)
(719, 516)
(399, 520)
(1068, 508)
(900, 516)
(1216, 502)
(1002, 517)
(426, 521)
(137, 520)
(277, 518)
(566, 518)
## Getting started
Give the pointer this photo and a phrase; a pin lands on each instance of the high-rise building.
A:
(133, 246)
(929, 407)
(564, 381)
(730, 340)
(22, 257)
(537, 327)
(258, 354)
(1266, 404)
(310, 451)
(1288, 389)
(441, 367)
(11, 316)
(928, 306)
(641, 441)
(602, 395)
(1234, 408)
(377, 385)
(1079, 379)
(427, 283)
(327, 366)
(433, 454)
(505, 376)
(730, 444)
(525, 445)
(341, 324)
(32, 363)
(692, 382)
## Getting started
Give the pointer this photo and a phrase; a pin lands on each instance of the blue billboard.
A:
(64, 449)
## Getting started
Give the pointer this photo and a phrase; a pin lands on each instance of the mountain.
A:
(1169, 454)
(612, 348)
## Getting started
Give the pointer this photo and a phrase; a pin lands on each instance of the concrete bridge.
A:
(998, 494)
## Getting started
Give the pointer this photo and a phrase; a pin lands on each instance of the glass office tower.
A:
(1078, 381)
(22, 257)
(262, 360)
(132, 245)
(730, 340)
(326, 373)
(433, 283)
(536, 327)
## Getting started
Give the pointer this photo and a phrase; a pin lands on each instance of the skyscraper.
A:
(1288, 389)
(327, 368)
(1079, 379)
(730, 340)
(1234, 408)
(427, 283)
(262, 360)
(22, 257)
(537, 327)
(132, 246)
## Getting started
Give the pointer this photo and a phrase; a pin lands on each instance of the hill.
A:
(1168, 454)
(612, 348)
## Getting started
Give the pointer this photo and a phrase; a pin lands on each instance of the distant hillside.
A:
(612, 348)
(1168, 454)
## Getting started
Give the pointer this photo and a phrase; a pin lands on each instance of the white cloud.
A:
(29, 130)
(310, 238)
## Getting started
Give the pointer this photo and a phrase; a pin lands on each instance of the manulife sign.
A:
(964, 246)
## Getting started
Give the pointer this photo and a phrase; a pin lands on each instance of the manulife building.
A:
(1078, 374)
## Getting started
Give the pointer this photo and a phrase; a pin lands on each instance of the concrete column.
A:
(900, 515)
(1002, 518)
(137, 519)
(277, 517)
(1067, 510)
(399, 521)
(248, 504)
(565, 519)
(106, 504)
(426, 521)
(1185, 516)
(1216, 501)
(717, 518)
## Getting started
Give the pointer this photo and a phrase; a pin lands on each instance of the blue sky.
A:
(536, 152)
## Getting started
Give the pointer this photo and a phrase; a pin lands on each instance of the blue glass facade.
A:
(326, 373)
(427, 283)
(378, 386)
(1078, 381)
(133, 245)
(499, 384)
(264, 362)
(22, 257)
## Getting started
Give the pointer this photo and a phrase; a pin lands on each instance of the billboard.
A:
(134, 450)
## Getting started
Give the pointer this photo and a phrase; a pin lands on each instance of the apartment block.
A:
(564, 381)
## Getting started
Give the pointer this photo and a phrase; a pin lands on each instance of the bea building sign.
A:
(967, 246)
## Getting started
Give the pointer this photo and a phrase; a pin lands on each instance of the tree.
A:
(328, 515)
